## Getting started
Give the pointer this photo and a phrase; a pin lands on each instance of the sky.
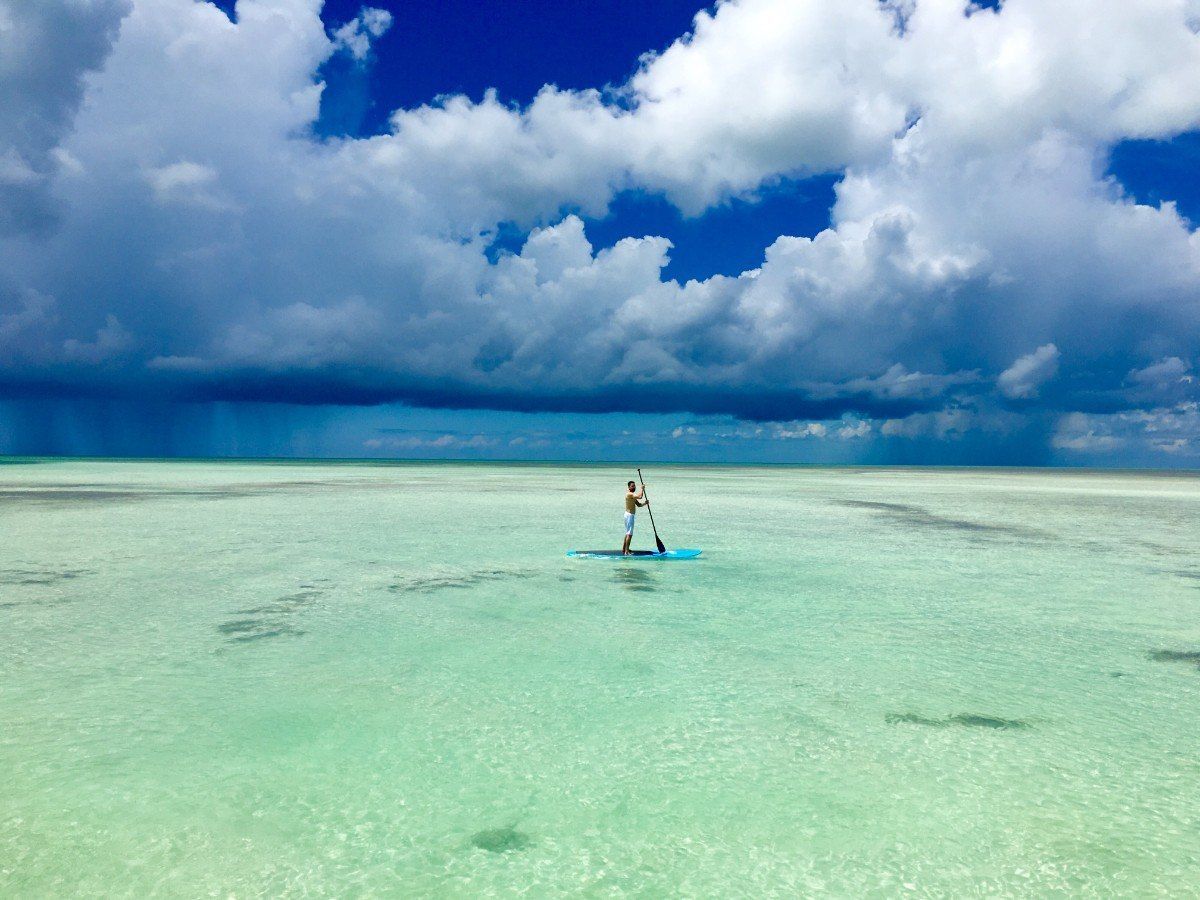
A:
(811, 231)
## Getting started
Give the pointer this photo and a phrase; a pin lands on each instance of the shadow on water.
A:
(906, 514)
(75, 493)
(965, 720)
(256, 632)
(41, 576)
(72, 497)
(270, 620)
(285, 604)
(1187, 656)
(635, 579)
(501, 840)
(35, 578)
(426, 584)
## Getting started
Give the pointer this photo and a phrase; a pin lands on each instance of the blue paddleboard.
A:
(636, 554)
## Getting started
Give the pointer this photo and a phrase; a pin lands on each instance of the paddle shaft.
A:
(662, 548)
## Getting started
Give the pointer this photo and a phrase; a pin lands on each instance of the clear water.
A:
(282, 679)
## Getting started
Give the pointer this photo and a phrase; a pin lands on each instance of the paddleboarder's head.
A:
(632, 485)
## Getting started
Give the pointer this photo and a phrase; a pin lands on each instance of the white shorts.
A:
(629, 517)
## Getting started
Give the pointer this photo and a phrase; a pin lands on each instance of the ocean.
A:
(357, 679)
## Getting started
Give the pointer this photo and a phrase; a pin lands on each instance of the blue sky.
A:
(824, 232)
(468, 48)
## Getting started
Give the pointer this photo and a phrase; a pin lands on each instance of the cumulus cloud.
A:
(854, 429)
(355, 36)
(1165, 433)
(431, 443)
(1021, 380)
(111, 340)
(1171, 370)
(247, 257)
(187, 183)
(792, 431)
(28, 317)
(1080, 432)
(723, 432)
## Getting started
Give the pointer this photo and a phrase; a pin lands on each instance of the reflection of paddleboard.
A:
(636, 554)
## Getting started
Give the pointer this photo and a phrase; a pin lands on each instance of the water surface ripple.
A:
(256, 679)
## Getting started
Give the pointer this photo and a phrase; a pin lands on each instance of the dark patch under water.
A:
(1155, 548)
(907, 514)
(913, 719)
(68, 497)
(966, 720)
(262, 635)
(1189, 656)
(635, 580)
(425, 584)
(41, 576)
(269, 620)
(238, 626)
(284, 604)
(501, 840)
(242, 631)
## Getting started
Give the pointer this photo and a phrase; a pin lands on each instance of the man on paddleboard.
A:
(633, 499)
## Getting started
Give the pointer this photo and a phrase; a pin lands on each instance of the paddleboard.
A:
(682, 553)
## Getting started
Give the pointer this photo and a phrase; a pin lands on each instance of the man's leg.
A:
(625, 546)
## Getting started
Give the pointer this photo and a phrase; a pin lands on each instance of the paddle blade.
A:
(661, 547)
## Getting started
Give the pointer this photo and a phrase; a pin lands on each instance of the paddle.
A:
(661, 546)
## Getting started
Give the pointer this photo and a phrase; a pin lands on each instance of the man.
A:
(633, 499)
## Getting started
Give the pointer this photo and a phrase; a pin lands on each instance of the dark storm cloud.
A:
(334, 387)
(46, 48)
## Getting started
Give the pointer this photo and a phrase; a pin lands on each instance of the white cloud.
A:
(1173, 431)
(724, 432)
(798, 430)
(203, 215)
(355, 36)
(431, 443)
(952, 423)
(187, 183)
(854, 429)
(1082, 433)
(68, 165)
(899, 383)
(1021, 380)
(1164, 373)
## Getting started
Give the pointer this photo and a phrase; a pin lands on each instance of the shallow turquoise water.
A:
(282, 679)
